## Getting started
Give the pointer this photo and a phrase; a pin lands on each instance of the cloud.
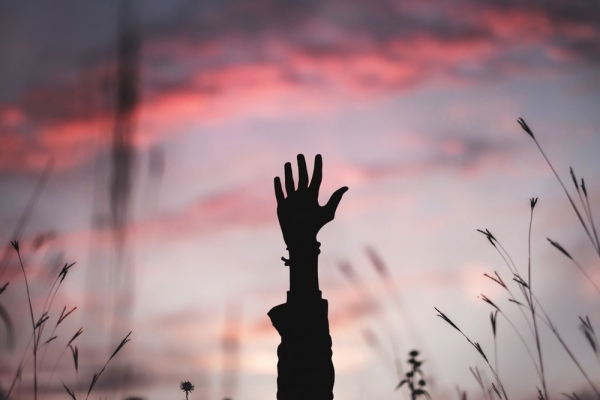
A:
(207, 64)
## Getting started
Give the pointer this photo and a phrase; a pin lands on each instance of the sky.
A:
(413, 105)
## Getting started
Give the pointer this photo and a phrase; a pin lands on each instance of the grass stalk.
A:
(526, 128)
(568, 255)
(15, 244)
(533, 202)
(97, 375)
(494, 321)
(493, 318)
(75, 336)
(554, 330)
(477, 375)
(480, 351)
(57, 282)
(591, 216)
(497, 245)
(590, 335)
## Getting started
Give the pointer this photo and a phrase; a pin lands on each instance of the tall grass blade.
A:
(566, 253)
(585, 227)
(97, 375)
(69, 391)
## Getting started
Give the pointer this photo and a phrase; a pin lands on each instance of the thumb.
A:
(333, 202)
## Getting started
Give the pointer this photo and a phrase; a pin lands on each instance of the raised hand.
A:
(300, 215)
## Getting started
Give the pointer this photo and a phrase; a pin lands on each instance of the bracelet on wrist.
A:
(299, 252)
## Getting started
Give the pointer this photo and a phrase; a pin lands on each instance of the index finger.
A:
(278, 190)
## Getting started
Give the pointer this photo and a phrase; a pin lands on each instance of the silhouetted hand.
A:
(300, 215)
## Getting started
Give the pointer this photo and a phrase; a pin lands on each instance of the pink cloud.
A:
(516, 23)
(272, 76)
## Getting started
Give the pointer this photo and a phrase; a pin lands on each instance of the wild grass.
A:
(519, 291)
(37, 342)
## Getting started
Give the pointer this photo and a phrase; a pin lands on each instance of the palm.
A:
(300, 215)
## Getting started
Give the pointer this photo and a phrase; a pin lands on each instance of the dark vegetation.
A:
(519, 292)
(38, 344)
(415, 378)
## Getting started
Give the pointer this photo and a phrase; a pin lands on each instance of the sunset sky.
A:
(413, 106)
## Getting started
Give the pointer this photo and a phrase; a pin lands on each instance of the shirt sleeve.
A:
(305, 369)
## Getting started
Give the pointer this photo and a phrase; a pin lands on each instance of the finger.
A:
(302, 172)
(278, 190)
(333, 202)
(315, 182)
(289, 179)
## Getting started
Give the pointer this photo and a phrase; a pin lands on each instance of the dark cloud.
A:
(58, 64)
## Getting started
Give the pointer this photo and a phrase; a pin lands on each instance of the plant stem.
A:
(594, 244)
(587, 200)
(33, 326)
(586, 275)
(537, 369)
(532, 308)
(550, 325)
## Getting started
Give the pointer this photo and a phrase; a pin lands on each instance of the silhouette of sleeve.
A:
(305, 370)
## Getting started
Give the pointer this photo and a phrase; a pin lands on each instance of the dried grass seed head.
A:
(525, 127)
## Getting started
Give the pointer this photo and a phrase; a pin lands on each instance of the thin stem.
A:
(532, 308)
(53, 370)
(587, 200)
(33, 326)
(522, 312)
(537, 369)
(478, 348)
(513, 269)
(47, 310)
(594, 244)
(585, 206)
(19, 368)
(495, 353)
(506, 287)
(586, 275)
(509, 257)
(497, 380)
(550, 325)
(479, 379)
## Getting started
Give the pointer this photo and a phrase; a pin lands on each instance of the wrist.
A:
(304, 253)
(304, 247)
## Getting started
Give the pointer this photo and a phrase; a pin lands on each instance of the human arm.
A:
(305, 368)
(301, 218)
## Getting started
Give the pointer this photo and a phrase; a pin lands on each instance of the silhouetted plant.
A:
(187, 387)
(415, 378)
(531, 304)
(97, 375)
(38, 327)
(497, 387)
(527, 303)
(590, 230)
(38, 330)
